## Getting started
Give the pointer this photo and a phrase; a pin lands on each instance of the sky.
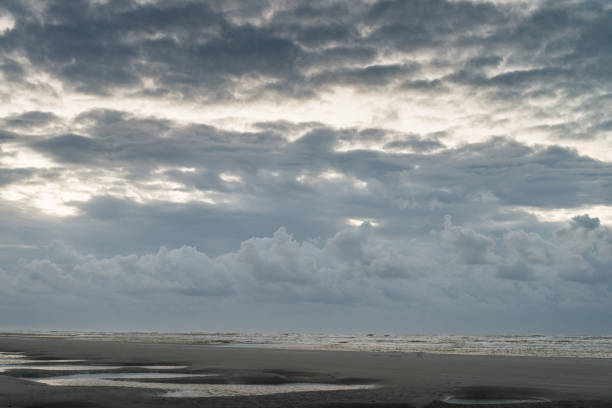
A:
(400, 166)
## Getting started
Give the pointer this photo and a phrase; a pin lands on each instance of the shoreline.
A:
(416, 379)
(596, 347)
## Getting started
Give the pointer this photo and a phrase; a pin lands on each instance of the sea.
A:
(496, 345)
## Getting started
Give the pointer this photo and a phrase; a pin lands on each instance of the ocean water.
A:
(507, 345)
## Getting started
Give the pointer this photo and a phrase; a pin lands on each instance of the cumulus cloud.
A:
(274, 268)
(586, 222)
(469, 246)
(29, 119)
(344, 268)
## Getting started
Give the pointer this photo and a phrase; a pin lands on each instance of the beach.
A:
(388, 379)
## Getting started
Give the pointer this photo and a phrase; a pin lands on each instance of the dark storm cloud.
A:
(205, 50)
(373, 75)
(6, 135)
(515, 79)
(29, 119)
(415, 143)
(97, 48)
(8, 176)
(422, 85)
(416, 24)
(339, 56)
(513, 172)
(521, 175)
(11, 69)
(287, 127)
(586, 222)
(116, 138)
(73, 148)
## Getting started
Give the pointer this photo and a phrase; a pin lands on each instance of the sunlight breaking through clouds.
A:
(604, 213)
(7, 22)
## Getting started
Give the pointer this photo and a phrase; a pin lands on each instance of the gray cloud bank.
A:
(332, 271)
(456, 269)
(546, 63)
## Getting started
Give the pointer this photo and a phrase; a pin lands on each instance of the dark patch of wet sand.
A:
(405, 379)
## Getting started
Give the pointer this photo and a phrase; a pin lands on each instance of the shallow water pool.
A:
(186, 390)
(55, 367)
(490, 401)
(13, 361)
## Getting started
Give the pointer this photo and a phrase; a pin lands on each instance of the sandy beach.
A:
(401, 379)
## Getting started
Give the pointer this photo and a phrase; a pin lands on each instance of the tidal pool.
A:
(227, 390)
(99, 379)
(13, 361)
(56, 367)
(186, 390)
(492, 401)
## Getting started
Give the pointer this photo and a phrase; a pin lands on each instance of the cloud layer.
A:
(420, 163)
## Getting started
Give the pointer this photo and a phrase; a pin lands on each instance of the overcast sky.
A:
(407, 166)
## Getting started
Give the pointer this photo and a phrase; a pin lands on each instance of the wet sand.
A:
(403, 379)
